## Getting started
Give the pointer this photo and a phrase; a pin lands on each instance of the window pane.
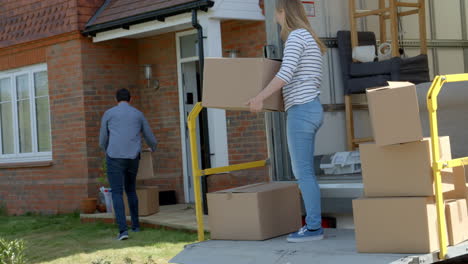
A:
(6, 115)
(24, 121)
(41, 84)
(22, 88)
(43, 124)
(189, 46)
(5, 90)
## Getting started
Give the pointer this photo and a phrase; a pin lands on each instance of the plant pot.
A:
(88, 205)
(101, 208)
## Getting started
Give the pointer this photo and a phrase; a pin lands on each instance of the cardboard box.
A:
(460, 187)
(255, 212)
(394, 113)
(457, 221)
(148, 201)
(145, 168)
(402, 170)
(230, 83)
(401, 225)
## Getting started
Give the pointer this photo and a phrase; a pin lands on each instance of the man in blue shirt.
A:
(120, 137)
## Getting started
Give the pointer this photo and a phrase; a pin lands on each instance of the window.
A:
(25, 115)
(189, 46)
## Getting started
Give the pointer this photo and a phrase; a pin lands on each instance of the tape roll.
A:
(387, 51)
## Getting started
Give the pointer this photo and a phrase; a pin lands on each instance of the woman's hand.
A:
(255, 104)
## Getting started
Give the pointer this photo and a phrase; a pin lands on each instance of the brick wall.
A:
(60, 187)
(28, 20)
(83, 78)
(161, 108)
(106, 67)
(246, 131)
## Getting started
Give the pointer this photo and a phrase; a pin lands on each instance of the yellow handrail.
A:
(437, 164)
(197, 172)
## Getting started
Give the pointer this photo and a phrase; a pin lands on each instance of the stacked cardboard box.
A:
(398, 212)
(148, 196)
(148, 201)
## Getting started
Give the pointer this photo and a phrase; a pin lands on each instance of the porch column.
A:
(216, 117)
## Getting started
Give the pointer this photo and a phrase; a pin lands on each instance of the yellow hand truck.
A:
(197, 172)
(437, 164)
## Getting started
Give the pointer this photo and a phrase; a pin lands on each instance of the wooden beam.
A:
(382, 24)
(409, 12)
(422, 26)
(354, 35)
(402, 4)
(349, 123)
(405, 13)
(394, 28)
(376, 12)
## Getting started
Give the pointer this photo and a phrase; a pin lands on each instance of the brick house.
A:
(61, 62)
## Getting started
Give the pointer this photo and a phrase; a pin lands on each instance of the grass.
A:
(63, 239)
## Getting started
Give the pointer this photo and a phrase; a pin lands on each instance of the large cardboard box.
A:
(255, 212)
(148, 201)
(403, 169)
(394, 113)
(457, 221)
(396, 225)
(230, 83)
(145, 168)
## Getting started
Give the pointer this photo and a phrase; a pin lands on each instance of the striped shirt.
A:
(301, 69)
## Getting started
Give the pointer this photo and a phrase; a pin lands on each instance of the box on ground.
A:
(230, 83)
(255, 212)
(403, 169)
(148, 201)
(457, 221)
(394, 113)
(145, 168)
(396, 225)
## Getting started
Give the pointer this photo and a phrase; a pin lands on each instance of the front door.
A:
(190, 92)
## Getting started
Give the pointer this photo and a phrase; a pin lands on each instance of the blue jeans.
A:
(303, 122)
(122, 175)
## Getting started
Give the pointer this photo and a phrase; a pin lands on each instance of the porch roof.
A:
(115, 14)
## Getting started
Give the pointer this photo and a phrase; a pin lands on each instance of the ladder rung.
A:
(402, 4)
(365, 13)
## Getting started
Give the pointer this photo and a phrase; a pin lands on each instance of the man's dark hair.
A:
(123, 95)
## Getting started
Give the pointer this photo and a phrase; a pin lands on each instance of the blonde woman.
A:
(300, 77)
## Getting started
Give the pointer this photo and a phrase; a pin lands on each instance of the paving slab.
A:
(338, 247)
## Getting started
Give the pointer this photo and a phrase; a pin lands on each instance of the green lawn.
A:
(63, 239)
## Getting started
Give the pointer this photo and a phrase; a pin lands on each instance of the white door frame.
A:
(217, 126)
(183, 135)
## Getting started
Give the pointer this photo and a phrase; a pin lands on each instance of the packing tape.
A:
(387, 54)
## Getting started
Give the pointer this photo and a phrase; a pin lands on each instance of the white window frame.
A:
(35, 155)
